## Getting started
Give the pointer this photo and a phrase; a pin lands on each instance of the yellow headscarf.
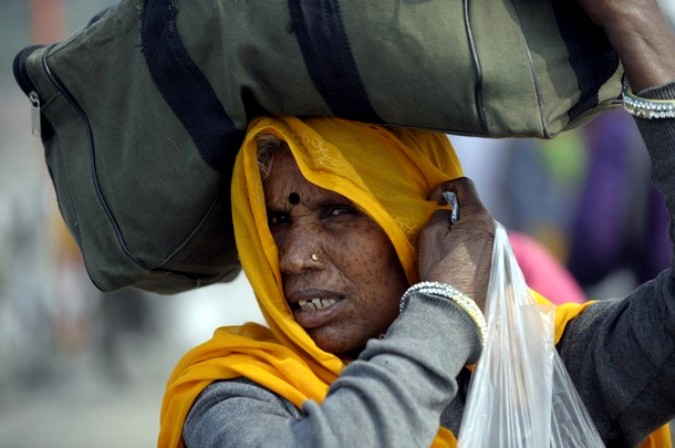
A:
(367, 164)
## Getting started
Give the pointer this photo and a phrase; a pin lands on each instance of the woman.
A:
(347, 222)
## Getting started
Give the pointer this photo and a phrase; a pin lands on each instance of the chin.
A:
(338, 347)
(335, 349)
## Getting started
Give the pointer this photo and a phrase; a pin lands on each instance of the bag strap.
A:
(591, 55)
(185, 88)
(329, 60)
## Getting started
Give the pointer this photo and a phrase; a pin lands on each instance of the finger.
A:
(465, 191)
(440, 218)
(460, 184)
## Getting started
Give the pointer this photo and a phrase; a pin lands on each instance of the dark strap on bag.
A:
(186, 89)
(591, 55)
(329, 59)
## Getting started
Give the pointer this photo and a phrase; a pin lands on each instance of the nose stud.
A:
(315, 257)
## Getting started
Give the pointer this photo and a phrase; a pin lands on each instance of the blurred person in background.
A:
(620, 220)
(543, 272)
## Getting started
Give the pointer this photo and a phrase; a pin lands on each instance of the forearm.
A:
(393, 395)
(642, 36)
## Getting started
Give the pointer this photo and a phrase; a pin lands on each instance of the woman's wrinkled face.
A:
(341, 276)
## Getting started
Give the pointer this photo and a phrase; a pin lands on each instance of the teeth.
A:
(315, 304)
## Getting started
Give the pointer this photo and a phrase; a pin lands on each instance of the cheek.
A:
(368, 259)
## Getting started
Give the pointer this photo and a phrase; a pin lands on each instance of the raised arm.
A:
(621, 353)
(641, 35)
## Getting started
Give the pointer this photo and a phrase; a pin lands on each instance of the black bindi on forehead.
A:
(294, 198)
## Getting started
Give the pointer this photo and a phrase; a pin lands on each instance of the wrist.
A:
(648, 108)
(455, 296)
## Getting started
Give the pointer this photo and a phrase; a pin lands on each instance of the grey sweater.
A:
(619, 353)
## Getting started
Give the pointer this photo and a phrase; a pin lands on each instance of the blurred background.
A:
(80, 368)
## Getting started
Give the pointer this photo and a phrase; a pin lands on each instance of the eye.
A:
(339, 210)
(276, 219)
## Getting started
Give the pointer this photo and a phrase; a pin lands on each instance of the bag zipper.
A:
(36, 128)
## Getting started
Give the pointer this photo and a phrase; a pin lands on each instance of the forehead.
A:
(285, 178)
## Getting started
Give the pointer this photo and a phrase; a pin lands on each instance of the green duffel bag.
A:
(143, 110)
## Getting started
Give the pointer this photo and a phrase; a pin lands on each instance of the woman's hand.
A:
(641, 35)
(459, 254)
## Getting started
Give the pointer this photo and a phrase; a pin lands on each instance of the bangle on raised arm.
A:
(463, 301)
(647, 108)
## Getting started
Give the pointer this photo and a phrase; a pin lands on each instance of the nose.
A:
(301, 250)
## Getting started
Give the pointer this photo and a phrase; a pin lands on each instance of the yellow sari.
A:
(363, 162)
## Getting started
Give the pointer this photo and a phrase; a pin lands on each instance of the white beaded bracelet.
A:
(466, 303)
(646, 107)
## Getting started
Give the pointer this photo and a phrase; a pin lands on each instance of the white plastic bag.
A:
(521, 395)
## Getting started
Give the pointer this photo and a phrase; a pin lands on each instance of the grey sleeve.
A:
(621, 353)
(392, 395)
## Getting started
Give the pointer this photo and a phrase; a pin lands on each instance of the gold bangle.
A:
(646, 107)
(463, 301)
